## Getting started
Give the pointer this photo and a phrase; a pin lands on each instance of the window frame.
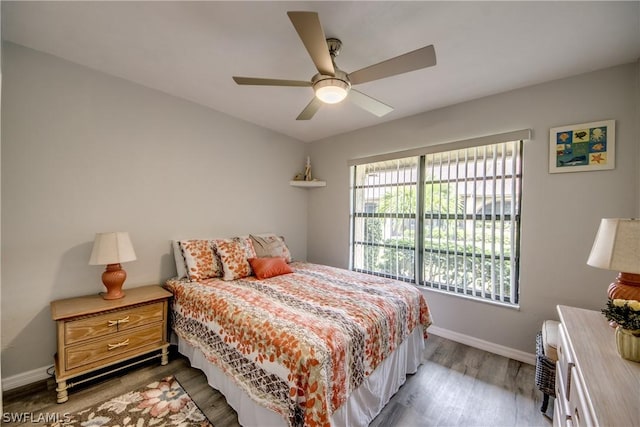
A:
(421, 217)
(373, 215)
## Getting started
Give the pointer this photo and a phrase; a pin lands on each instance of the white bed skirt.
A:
(358, 411)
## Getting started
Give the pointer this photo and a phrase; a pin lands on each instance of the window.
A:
(446, 220)
(384, 218)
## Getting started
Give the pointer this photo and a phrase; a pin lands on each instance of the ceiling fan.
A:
(331, 85)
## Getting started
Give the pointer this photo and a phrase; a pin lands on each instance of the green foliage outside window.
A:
(458, 253)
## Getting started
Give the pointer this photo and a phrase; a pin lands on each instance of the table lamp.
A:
(617, 247)
(111, 249)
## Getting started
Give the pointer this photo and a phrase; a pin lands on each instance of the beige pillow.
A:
(270, 245)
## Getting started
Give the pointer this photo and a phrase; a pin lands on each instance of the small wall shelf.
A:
(308, 184)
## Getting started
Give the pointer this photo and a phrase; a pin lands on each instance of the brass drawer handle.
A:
(120, 344)
(117, 322)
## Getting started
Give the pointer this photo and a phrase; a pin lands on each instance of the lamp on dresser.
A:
(111, 249)
(617, 247)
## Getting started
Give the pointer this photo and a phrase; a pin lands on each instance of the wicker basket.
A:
(545, 369)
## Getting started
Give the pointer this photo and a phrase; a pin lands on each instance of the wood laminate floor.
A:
(457, 385)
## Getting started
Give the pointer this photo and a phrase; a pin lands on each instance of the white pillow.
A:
(181, 267)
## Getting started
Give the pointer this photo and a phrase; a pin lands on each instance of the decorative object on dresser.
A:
(625, 314)
(594, 387)
(111, 249)
(94, 333)
(617, 247)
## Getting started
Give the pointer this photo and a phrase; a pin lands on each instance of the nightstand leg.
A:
(165, 356)
(62, 391)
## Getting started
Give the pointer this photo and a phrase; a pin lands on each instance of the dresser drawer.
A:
(565, 362)
(561, 404)
(113, 346)
(578, 407)
(560, 419)
(112, 322)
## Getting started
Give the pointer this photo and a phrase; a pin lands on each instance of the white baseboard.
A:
(501, 350)
(25, 378)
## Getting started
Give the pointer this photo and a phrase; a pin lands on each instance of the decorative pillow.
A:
(267, 267)
(200, 259)
(270, 245)
(234, 254)
(248, 245)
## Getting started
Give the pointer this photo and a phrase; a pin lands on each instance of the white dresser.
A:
(594, 385)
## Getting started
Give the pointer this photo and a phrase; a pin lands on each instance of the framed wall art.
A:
(582, 147)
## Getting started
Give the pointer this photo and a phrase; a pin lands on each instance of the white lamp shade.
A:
(112, 248)
(617, 246)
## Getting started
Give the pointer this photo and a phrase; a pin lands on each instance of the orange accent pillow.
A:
(269, 267)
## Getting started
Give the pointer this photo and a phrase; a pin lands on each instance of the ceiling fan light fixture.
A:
(331, 91)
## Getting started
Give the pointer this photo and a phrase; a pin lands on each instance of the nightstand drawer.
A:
(97, 351)
(113, 322)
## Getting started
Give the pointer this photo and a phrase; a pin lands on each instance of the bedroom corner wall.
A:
(637, 133)
(84, 152)
(560, 212)
(1, 411)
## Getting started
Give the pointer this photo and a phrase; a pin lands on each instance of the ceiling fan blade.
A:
(311, 109)
(368, 103)
(307, 24)
(411, 61)
(269, 82)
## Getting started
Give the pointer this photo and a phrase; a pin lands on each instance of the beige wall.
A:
(560, 212)
(83, 152)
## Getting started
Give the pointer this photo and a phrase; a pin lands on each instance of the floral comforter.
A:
(298, 343)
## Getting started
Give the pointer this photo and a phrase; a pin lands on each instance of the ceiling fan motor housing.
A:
(331, 89)
(334, 46)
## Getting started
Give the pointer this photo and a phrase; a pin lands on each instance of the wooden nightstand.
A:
(94, 333)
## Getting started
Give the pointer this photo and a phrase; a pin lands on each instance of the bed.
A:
(315, 346)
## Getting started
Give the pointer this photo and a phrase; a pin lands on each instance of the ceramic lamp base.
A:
(113, 278)
(626, 286)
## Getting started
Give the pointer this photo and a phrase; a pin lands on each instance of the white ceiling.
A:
(191, 49)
